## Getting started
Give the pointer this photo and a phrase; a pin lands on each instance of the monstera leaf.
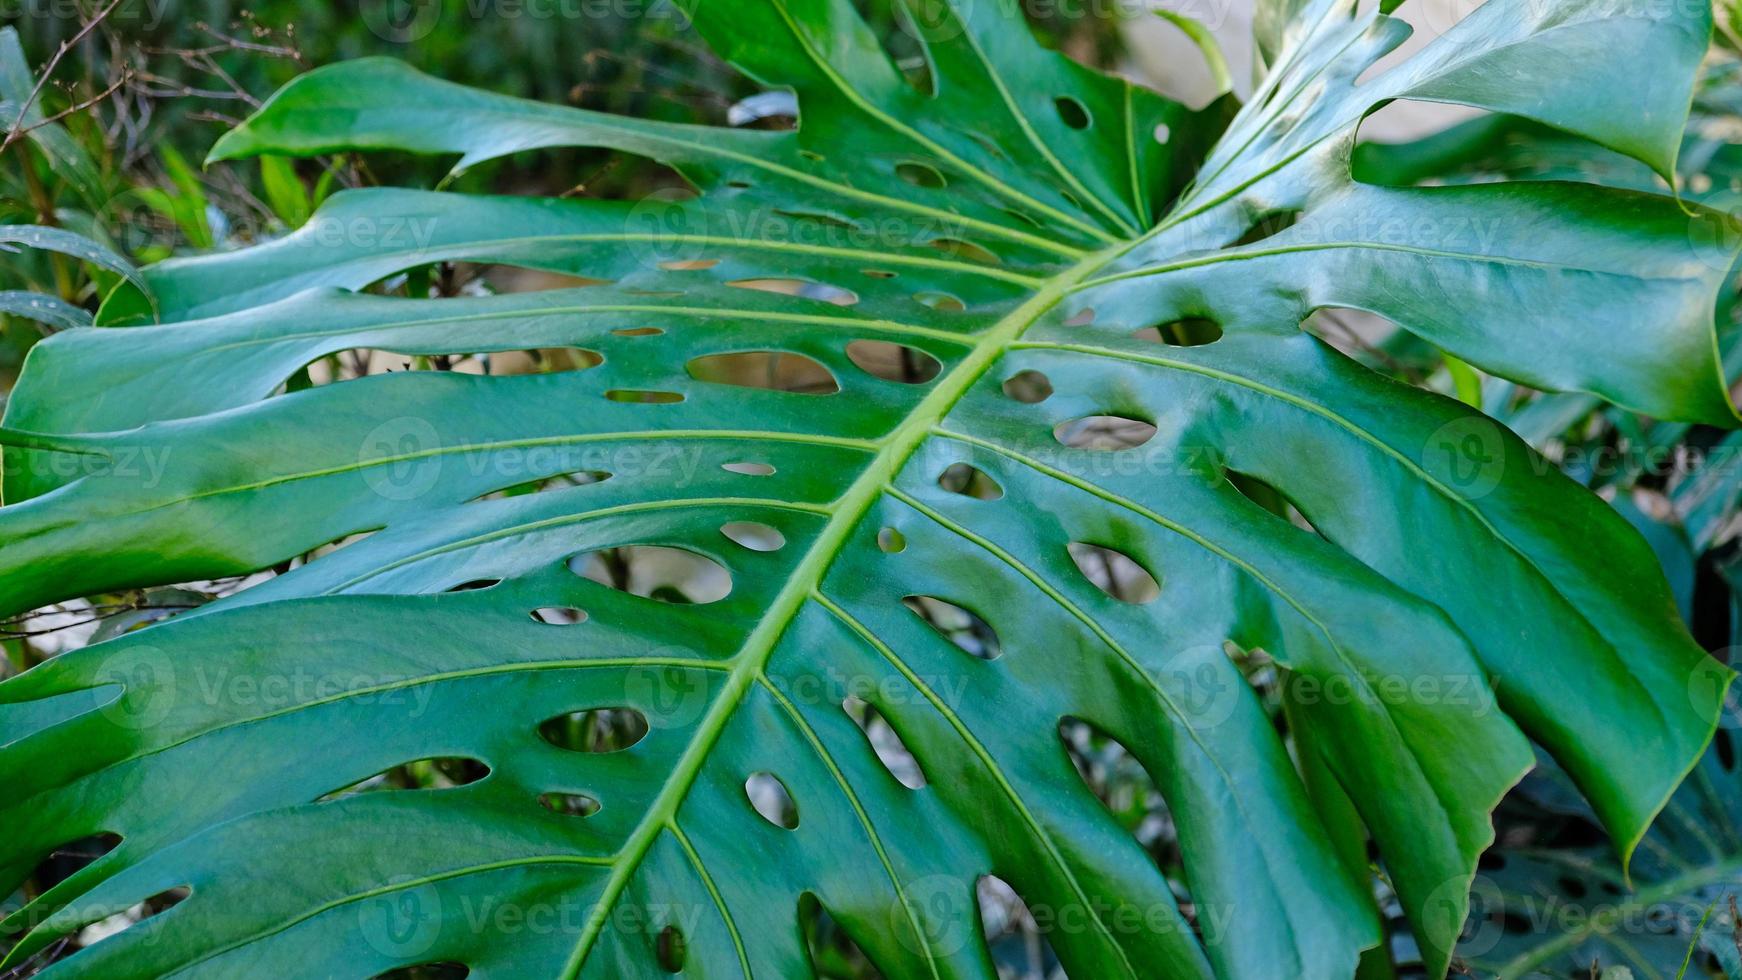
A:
(982, 400)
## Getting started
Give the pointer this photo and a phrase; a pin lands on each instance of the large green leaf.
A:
(1026, 222)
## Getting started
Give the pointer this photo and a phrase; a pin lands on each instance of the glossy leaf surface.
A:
(1149, 264)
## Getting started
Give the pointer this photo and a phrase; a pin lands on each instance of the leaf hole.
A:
(893, 362)
(832, 950)
(561, 481)
(475, 585)
(1071, 112)
(1115, 573)
(1191, 331)
(1103, 433)
(879, 273)
(820, 218)
(72, 857)
(670, 575)
(770, 370)
(358, 362)
(749, 469)
(803, 288)
(967, 631)
(553, 360)
(921, 175)
(891, 542)
(1082, 317)
(688, 265)
(157, 904)
(559, 615)
(595, 731)
(643, 397)
(963, 249)
(776, 109)
(942, 302)
(970, 481)
(638, 331)
(1162, 133)
(888, 746)
(1009, 927)
(770, 798)
(1270, 498)
(435, 773)
(1116, 777)
(671, 949)
(754, 536)
(1029, 387)
(569, 804)
(1267, 225)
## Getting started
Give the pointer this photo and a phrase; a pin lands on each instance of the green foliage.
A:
(49, 179)
(1554, 901)
(979, 399)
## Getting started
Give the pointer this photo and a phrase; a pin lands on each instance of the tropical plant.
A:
(974, 405)
(1555, 900)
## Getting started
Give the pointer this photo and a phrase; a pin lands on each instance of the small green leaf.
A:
(72, 244)
(285, 192)
(43, 308)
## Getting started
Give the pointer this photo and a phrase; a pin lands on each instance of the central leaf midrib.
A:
(851, 507)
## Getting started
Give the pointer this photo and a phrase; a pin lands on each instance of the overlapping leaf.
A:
(1023, 226)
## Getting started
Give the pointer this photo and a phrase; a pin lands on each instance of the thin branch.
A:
(12, 134)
